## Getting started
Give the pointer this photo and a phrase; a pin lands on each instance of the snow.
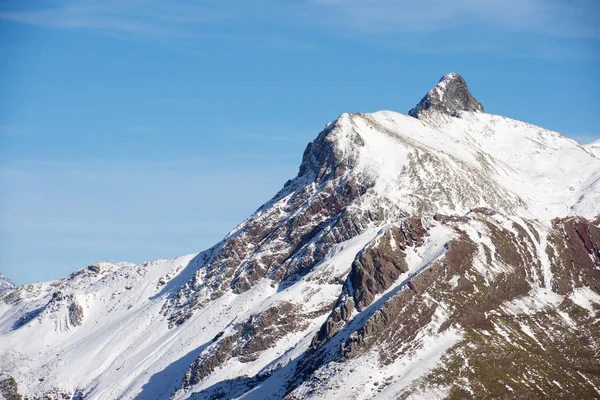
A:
(454, 281)
(5, 283)
(357, 378)
(584, 297)
(440, 88)
(527, 330)
(424, 359)
(542, 173)
(420, 258)
(124, 346)
(537, 300)
(502, 332)
(593, 148)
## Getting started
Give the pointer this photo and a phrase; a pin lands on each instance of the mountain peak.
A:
(449, 96)
(5, 283)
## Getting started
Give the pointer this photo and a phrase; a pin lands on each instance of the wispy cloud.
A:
(577, 18)
(153, 17)
(161, 18)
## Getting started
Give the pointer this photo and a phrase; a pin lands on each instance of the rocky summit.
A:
(450, 96)
(448, 256)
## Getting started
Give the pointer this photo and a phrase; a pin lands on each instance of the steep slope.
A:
(406, 248)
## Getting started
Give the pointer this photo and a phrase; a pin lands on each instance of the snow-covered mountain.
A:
(445, 254)
(5, 283)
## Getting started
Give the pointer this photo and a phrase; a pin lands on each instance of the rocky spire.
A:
(450, 96)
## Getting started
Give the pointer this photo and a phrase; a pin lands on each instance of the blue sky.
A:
(134, 130)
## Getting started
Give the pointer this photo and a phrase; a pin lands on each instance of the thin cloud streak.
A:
(160, 19)
(578, 18)
(149, 18)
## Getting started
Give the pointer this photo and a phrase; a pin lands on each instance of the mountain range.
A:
(444, 254)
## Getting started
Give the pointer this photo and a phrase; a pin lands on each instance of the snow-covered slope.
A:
(5, 283)
(451, 164)
(406, 247)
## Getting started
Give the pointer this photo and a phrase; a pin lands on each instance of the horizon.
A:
(135, 133)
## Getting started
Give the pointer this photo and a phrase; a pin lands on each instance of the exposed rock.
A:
(575, 254)
(9, 389)
(57, 296)
(95, 268)
(479, 306)
(373, 271)
(296, 241)
(75, 314)
(449, 96)
(248, 340)
(379, 265)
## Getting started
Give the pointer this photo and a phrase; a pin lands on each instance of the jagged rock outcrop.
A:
(9, 390)
(249, 339)
(75, 313)
(449, 96)
(381, 263)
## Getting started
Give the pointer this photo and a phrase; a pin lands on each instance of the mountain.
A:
(449, 253)
(5, 283)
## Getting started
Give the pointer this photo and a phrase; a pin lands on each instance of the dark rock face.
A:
(249, 339)
(478, 305)
(9, 389)
(450, 96)
(379, 265)
(75, 314)
(95, 268)
(575, 256)
(373, 271)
